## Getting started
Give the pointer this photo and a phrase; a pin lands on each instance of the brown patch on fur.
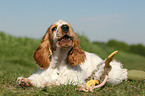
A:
(76, 55)
(43, 52)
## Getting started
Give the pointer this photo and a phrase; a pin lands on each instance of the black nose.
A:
(65, 28)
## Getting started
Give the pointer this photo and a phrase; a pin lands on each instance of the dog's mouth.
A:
(66, 38)
(65, 41)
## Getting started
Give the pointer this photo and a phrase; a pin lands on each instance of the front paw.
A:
(24, 82)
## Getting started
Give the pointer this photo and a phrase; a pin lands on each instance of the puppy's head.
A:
(60, 34)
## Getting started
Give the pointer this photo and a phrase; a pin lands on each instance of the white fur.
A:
(64, 73)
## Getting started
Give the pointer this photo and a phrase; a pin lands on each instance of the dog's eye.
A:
(54, 28)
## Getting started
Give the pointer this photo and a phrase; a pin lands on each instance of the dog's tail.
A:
(110, 58)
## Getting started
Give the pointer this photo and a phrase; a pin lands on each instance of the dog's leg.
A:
(24, 82)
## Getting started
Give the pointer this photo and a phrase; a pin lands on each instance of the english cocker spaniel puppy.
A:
(62, 61)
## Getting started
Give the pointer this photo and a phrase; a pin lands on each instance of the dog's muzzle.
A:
(65, 28)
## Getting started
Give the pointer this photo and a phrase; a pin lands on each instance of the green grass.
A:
(16, 60)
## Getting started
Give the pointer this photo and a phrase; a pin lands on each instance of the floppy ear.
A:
(76, 55)
(43, 52)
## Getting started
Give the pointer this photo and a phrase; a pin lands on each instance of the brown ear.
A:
(43, 52)
(76, 55)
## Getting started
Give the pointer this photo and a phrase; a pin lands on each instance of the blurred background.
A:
(99, 20)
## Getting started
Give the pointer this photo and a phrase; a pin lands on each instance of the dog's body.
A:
(62, 61)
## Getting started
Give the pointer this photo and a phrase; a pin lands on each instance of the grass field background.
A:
(16, 60)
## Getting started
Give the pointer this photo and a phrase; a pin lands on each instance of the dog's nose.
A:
(65, 28)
